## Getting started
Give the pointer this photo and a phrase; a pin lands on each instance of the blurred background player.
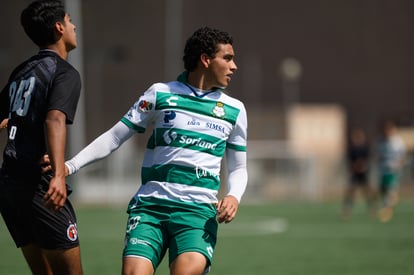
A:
(391, 154)
(36, 104)
(358, 158)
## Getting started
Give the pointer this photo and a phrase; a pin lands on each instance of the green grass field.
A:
(286, 238)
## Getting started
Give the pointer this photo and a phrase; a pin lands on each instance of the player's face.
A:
(69, 34)
(222, 66)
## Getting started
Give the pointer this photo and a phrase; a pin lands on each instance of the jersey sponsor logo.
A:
(218, 110)
(135, 241)
(193, 122)
(197, 142)
(204, 173)
(20, 96)
(169, 136)
(215, 126)
(171, 100)
(168, 116)
(72, 232)
(144, 106)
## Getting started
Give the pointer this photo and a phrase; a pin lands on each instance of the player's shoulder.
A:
(50, 62)
(22, 67)
(64, 66)
(230, 100)
(165, 87)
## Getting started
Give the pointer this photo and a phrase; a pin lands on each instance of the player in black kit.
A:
(37, 103)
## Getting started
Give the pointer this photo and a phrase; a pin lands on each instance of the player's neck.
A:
(199, 81)
(59, 49)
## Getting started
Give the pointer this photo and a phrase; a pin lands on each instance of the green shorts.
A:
(155, 225)
(389, 181)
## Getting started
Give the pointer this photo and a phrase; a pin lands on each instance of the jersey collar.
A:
(197, 92)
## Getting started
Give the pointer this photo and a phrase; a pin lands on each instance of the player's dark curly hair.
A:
(203, 41)
(39, 19)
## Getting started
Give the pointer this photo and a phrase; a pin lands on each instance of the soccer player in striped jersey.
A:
(36, 104)
(194, 125)
(391, 151)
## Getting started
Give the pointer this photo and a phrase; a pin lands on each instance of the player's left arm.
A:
(237, 182)
(236, 159)
(55, 124)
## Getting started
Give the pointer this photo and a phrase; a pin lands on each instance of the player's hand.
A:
(227, 209)
(55, 196)
(3, 124)
(46, 166)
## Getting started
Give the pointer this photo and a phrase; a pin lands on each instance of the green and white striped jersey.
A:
(191, 132)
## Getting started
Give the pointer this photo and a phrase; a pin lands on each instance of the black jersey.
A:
(42, 83)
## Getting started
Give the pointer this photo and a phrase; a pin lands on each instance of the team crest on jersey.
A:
(72, 232)
(218, 110)
(144, 106)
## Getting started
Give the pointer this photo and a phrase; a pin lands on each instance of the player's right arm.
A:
(101, 147)
(133, 122)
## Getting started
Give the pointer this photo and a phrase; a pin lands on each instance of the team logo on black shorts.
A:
(72, 232)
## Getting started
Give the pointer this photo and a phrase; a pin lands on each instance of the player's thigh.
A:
(145, 237)
(15, 205)
(189, 263)
(53, 230)
(65, 262)
(195, 235)
(36, 259)
(137, 265)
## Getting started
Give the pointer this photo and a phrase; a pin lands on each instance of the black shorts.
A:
(29, 221)
(359, 179)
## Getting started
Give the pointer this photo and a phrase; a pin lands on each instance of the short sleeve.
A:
(142, 113)
(64, 93)
(238, 137)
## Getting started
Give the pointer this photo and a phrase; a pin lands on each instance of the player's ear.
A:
(59, 28)
(205, 60)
